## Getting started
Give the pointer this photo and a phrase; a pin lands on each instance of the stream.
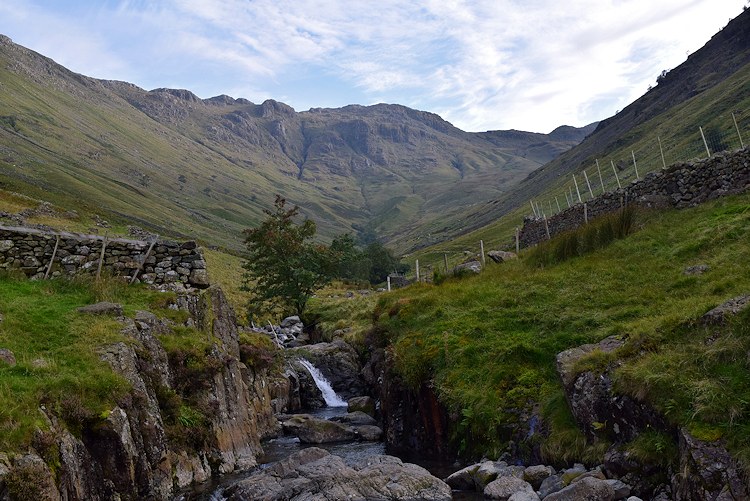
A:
(277, 449)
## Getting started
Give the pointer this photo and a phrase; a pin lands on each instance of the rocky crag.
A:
(134, 452)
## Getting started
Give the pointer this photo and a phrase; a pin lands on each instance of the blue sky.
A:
(482, 64)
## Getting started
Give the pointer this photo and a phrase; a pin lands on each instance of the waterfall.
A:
(332, 400)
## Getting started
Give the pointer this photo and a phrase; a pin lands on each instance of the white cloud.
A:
(484, 64)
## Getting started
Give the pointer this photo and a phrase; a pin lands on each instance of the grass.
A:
(488, 343)
(55, 348)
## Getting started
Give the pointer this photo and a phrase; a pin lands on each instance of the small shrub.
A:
(258, 351)
(26, 482)
(654, 448)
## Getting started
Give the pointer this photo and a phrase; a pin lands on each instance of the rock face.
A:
(315, 474)
(707, 471)
(593, 403)
(724, 311)
(132, 451)
(339, 363)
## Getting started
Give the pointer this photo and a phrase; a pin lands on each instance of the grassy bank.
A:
(56, 349)
(488, 343)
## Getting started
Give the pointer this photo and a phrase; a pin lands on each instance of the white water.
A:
(332, 400)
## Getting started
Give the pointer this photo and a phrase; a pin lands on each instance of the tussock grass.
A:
(488, 343)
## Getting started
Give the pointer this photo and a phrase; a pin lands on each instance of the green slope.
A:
(488, 343)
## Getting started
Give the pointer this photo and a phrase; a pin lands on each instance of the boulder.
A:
(315, 474)
(368, 433)
(358, 418)
(622, 490)
(102, 308)
(501, 256)
(470, 266)
(587, 489)
(503, 488)
(7, 357)
(311, 430)
(363, 404)
(535, 475)
(551, 484)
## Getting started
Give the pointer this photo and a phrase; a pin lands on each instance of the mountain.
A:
(713, 82)
(177, 164)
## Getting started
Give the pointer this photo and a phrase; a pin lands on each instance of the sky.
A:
(482, 65)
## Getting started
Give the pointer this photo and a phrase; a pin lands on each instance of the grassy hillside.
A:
(488, 343)
(182, 166)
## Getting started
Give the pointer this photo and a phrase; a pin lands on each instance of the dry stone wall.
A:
(161, 262)
(679, 185)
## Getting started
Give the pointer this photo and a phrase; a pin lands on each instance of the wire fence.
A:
(611, 172)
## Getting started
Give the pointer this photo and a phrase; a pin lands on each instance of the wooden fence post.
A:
(389, 283)
(546, 227)
(589, 184)
(700, 128)
(142, 264)
(518, 240)
(558, 204)
(52, 259)
(601, 179)
(445, 262)
(661, 151)
(481, 253)
(577, 190)
(585, 213)
(616, 176)
(635, 165)
(742, 144)
(416, 265)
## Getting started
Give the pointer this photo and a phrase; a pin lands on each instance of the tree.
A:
(284, 267)
(350, 263)
(383, 262)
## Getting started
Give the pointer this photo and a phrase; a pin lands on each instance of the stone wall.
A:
(31, 250)
(679, 185)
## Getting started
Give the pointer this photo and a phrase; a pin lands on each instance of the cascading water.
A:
(332, 400)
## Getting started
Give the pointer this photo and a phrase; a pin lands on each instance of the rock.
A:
(595, 473)
(6, 245)
(290, 321)
(357, 417)
(471, 266)
(311, 430)
(102, 308)
(588, 489)
(503, 488)
(314, 474)
(634, 498)
(535, 475)
(363, 404)
(501, 256)
(368, 433)
(7, 357)
(551, 484)
(30, 478)
(310, 396)
(698, 269)
(524, 496)
(463, 479)
(721, 313)
(597, 409)
(706, 471)
(622, 490)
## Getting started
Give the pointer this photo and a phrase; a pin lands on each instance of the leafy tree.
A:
(383, 262)
(284, 267)
(350, 262)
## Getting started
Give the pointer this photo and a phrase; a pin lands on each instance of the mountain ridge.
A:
(210, 166)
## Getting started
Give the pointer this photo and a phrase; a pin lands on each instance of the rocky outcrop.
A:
(707, 472)
(499, 256)
(316, 474)
(595, 406)
(145, 447)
